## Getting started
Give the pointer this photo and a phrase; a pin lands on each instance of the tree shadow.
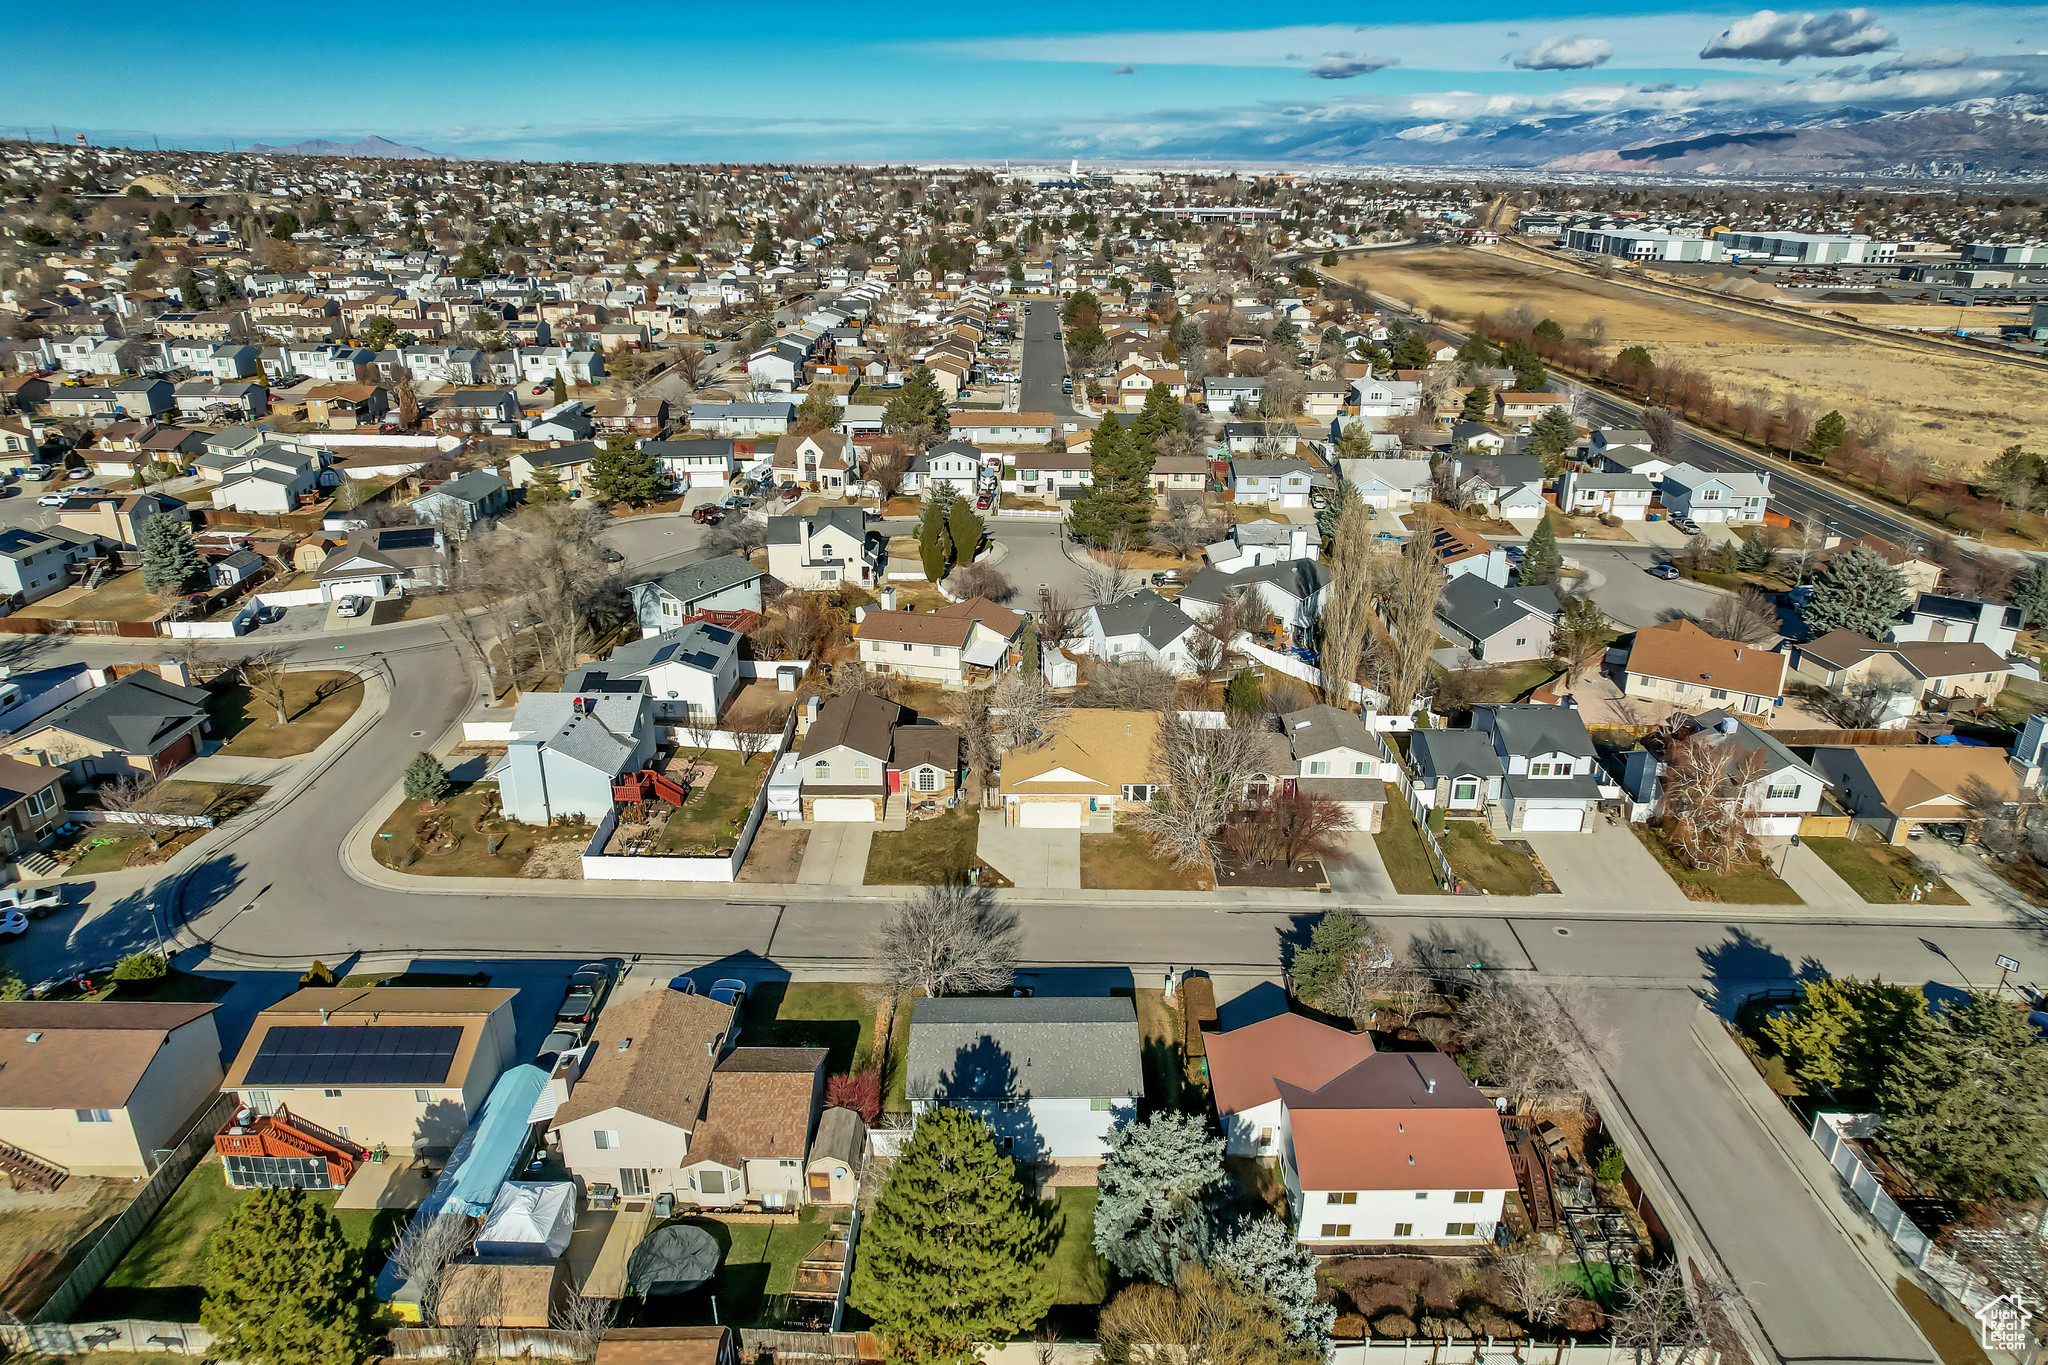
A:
(439, 1128)
(1742, 965)
(986, 1080)
(1263, 1001)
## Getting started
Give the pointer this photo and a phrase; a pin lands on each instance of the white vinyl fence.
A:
(1302, 669)
(1418, 813)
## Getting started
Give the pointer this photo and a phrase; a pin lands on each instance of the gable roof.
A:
(91, 1053)
(856, 721)
(1146, 615)
(1319, 729)
(139, 713)
(981, 611)
(1453, 753)
(698, 645)
(788, 530)
(1908, 777)
(1045, 1047)
(760, 1106)
(1482, 609)
(1397, 1121)
(1100, 751)
(693, 581)
(1298, 578)
(1682, 652)
(1246, 1064)
(1530, 729)
(665, 1068)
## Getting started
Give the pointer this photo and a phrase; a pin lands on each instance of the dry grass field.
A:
(1953, 412)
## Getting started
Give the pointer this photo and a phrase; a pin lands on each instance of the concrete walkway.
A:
(1807, 873)
(1030, 857)
(836, 855)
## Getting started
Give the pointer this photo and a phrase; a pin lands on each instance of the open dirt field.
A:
(1953, 411)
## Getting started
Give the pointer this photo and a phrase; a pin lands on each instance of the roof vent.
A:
(1411, 1158)
(35, 1037)
(1429, 1084)
(625, 1043)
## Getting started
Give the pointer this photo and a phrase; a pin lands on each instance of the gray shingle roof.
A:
(1045, 1047)
(1302, 578)
(698, 645)
(693, 581)
(1318, 729)
(1146, 615)
(1541, 730)
(850, 521)
(1482, 609)
(1452, 753)
(138, 714)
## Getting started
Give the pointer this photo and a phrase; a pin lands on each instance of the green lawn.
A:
(712, 818)
(838, 1016)
(1082, 1276)
(936, 852)
(1401, 849)
(1737, 886)
(1882, 873)
(759, 1261)
(1505, 682)
(1486, 863)
(163, 1275)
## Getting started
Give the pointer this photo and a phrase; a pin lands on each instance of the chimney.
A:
(323, 1016)
(1297, 542)
(171, 671)
(562, 1080)
(811, 710)
(888, 599)
(804, 526)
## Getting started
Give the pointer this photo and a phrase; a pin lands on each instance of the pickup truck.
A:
(37, 902)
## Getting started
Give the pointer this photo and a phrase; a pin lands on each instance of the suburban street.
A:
(1045, 362)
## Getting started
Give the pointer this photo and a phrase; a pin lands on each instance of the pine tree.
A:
(425, 778)
(1827, 435)
(964, 531)
(1264, 1257)
(1727, 559)
(1963, 1102)
(170, 561)
(1541, 560)
(1118, 501)
(951, 1254)
(283, 1286)
(1027, 645)
(1478, 404)
(1163, 1194)
(1244, 696)
(1756, 552)
(932, 535)
(2030, 593)
(919, 406)
(544, 486)
(188, 293)
(1857, 591)
(625, 472)
(561, 387)
(1844, 1034)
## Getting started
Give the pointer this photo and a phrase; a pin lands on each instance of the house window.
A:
(1717, 693)
(669, 608)
(1265, 1137)
(1782, 793)
(1138, 791)
(94, 1115)
(907, 648)
(711, 1182)
(1099, 1104)
(1468, 1196)
(1461, 1229)
(1362, 768)
(927, 779)
(1336, 1230)
(1404, 1229)
(821, 771)
(829, 575)
(43, 800)
(605, 1139)
(1341, 1197)
(422, 1097)
(1317, 767)
(331, 1094)
(861, 770)
(1539, 769)
(633, 1181)
(1422, 1194)
(1465, 789)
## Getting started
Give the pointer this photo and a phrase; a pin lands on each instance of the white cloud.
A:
(1924, 59)
(1773, 37)
(1342, 66)
(1564, 54)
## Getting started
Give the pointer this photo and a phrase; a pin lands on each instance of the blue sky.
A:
(637, 81)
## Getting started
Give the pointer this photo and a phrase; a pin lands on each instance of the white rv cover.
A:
(526, 1217)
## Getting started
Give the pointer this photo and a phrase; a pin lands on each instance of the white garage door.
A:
(843, 808)
(1049, 815)
(1567, 820)
(1775, 824)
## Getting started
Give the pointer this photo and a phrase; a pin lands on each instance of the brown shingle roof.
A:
(1681, 652)
(761, 1105)
(666, 1069)
(856, 720)
(914, 628)
(920, 744)
(91, 1053)
(1001, 620)
(662, 1346)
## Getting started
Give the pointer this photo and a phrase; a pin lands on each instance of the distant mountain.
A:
(373, 147)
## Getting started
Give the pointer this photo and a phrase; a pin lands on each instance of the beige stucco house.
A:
(1091, 764)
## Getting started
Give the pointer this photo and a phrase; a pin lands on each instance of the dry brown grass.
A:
(1952, 411)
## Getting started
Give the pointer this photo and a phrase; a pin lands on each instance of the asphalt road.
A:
(1045, 363)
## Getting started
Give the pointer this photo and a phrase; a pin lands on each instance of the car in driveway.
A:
(1667, 572)
(588, 987)
(729, 990)
(51, 500)
(706, 515)
(37, 902)
(560, 1040)
(352, 606)
(1687, 525)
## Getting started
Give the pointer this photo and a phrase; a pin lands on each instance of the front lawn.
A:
(163, 1275)
(1402, 851)
(935, 852)
(455, 841)
(711, 819)
(1737, 886)
(759, 1261)
(1486, 863)
(1081, 1275)
(1125, 861)
(113, 847)
(1882, 873)
(838, 1016)
(317, 703)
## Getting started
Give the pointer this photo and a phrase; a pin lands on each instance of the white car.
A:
(13, 924)
(352, 606)
(51, 500)
(34, 901)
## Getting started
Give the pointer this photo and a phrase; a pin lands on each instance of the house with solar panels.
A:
(330, 1074)
(384, 562)
(690, 671)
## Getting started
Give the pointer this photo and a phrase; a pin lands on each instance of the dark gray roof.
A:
(1303, 578)
(1533, 729)
(698, 645)
(1482, 609)
(1044, 1047)
(1146, 615)
(1502, 471)
(693, 581)
(576, 452)
(1318, 729)
(788, 530)
(138, 714)
(1452, 753)
(475, 486)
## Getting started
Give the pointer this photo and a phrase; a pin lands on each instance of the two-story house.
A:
(822, 551)
(1680, 663)
(863, 755)
(1455, 770)
(824, 460)
(958, 644)
(1391, 485)
(1222, 393)
(1507, 485)
(1143, 626)
(1497, 624)
(1549, 780)
(1328, 752)
(690, 671)
(1714, 495)
(1916, 671)
(727, 583)
(955, 465)
(568, 748)
(571, 464)
(1290, 591)
(705, 462)
(1283, 483)
(384, 562)
(1048, 474)
(32, 565)
(1625, 497)
(1252, 543)
(1760, 776)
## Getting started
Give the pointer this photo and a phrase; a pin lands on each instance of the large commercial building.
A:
(1642, 244)
(1806, 248)
(2006, 253)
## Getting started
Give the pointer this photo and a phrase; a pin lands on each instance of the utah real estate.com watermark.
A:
(2002, 1323)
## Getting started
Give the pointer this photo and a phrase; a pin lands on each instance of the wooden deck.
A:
(608, 1277)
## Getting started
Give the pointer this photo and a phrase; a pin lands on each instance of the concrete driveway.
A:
(1030, 857)
(1625, 590)
(1605, 865)
(836, 855)
(1361, 872)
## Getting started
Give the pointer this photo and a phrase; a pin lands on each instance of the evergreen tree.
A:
(1541, 560)
(1265, 1258)
(1844, 1034)
(2030, 593)
(625, 472)
(1119, 500)
(1244, 696)
(283, 1286)
(425, 778)
(818, 410)
(561, 388)
(1827, 435)
(1163, 1193)
(951, 1254)
(1335, 507)
(160, 225)
(1160, 415)
(284, 225)
(1756, 552)
(1727, 559)
(1027, 645)
(1857, 591)
(1411, 352)
(170, 561)
(1316, 967)
(918, 407)
(1963, 1103)
(188, 293)
(544, 486)
(932, 537)
(964, 531)
(1478, 404)
(1550, 437)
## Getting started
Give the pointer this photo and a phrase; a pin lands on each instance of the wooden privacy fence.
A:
(122, 1232)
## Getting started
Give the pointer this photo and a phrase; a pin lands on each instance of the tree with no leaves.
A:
(424, 1250)
(1347, 604)
(1533, 1041)
(1409, 601)
(139, 800)
(738, 535)
(1534, 1289)
(1745, 615)
(947, 939)
(1203, 771)
(1711, 794)
(264, 675)
(1666, 1321)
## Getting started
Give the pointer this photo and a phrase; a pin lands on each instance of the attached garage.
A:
(1049, 815)
(843, 809)
(1569, 820)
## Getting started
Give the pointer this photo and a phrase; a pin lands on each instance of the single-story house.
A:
(1894, 788)
(1679, 662)
(1088, 764)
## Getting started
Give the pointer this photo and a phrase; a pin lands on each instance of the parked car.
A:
(13, 924)
(561, 1040)
(352, 606)
(981, 504)
(1687, 525)
(790, 492)
(39, 472)
(51, 500)
(79, 473)
(588, 987)
(268, 614)
(683, 983)
(1667, 572)
(37, 902)
(729, 991)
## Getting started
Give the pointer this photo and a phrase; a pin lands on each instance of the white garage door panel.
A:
(843, 808)
(1775, 824)
(1049, 815)
(1565, 820)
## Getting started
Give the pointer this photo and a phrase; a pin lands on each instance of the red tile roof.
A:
(1245, 1063)
(1382, 1126)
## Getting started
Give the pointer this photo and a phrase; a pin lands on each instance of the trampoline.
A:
(672, 1260)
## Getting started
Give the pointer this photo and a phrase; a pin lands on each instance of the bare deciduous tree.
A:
(1203, 771)
(1711, 794)
(264, 675)
(1139, 685)
(1108, 574)
(1533, 1287)
(1745, 615)
(471, 1311)
(1347, 605)
(139, 800)
(585, 1321)
(1534, 1041)
(1059, 620)
(1188, 527)
(1669, 1322)
(947, 939)
(425, 1248)
(979, 580)
(757, 734)
(742, 536)
(1414, 584)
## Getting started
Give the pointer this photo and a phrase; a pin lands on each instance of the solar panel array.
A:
(368, 1054)
(409, 538)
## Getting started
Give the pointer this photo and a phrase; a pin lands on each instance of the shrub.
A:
(1487, 1321)
(1609, 1164)
(141, 967)
(1442, 1328)
(1581, 1315)
(861, 1092)
(319, 974)
(1350, 1327)
(1396, 1325)
(1381, 1295)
